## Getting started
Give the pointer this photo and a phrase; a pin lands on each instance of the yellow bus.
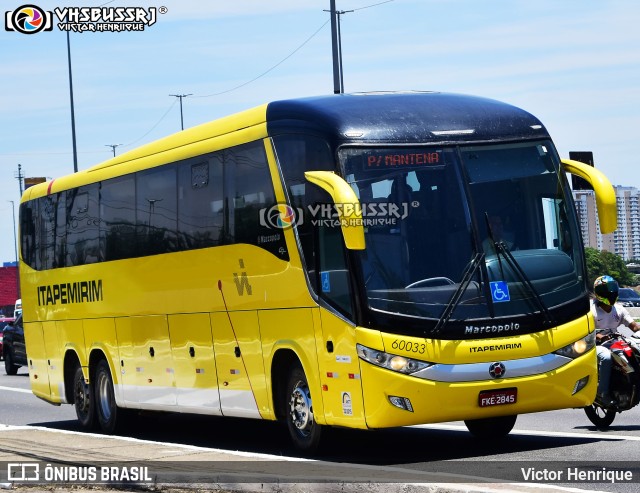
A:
(363, 261)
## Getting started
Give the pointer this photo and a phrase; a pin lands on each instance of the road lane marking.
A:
(14, 389)
(562, 434)
(461, 483)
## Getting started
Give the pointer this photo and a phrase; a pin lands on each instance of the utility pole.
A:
(20, 177)
(73, 118)
(180, 96)
(336, 47)
(113, 147)
(15, 246)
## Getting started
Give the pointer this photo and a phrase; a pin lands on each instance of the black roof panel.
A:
(404, 117)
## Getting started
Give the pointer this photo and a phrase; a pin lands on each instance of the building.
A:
(9, 291)
(624, 241)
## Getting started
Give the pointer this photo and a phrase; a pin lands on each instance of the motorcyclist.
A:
(608, 316)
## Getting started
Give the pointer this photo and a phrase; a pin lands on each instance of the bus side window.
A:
(157, 211)
(53, 230)
(333, 279)
(296, 154)
(200, 199)
(82, 222)
(250, 197)
(28, 232)
(118, 217)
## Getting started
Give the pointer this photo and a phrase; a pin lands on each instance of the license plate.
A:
(487, 398)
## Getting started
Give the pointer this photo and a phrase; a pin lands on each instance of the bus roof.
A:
(389, 117)
(404, 117)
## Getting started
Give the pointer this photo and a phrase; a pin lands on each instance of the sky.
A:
(575, 64)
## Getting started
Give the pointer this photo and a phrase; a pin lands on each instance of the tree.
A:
(600, 263)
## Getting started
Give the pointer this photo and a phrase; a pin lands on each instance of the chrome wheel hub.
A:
(301, 409)
(104, 395)
(82, 396)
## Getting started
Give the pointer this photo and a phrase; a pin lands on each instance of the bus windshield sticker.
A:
(499, 291)
(386, 159)
(326, 283)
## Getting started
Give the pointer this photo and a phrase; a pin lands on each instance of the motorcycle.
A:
(625, 381)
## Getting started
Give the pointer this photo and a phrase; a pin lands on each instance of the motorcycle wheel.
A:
(600, 416)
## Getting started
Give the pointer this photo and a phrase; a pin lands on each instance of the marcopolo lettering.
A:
(70, 292)
(491, 329)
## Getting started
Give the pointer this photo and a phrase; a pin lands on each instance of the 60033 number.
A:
(412, 347)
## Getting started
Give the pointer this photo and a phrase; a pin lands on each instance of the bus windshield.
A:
(433, 214)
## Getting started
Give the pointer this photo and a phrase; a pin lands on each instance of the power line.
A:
(207, 95)
(269, 70)
(153, 128)
(66, 153)
(374, 5)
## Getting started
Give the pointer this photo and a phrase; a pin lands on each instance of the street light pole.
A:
(73, 118)
(336, 47)
(180, 96)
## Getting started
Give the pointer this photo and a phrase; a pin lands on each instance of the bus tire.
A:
(83, 400)
(497, 427)
(9, 367)
(298, 411)
(110, 416)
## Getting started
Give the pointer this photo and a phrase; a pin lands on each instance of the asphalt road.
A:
(549, 440)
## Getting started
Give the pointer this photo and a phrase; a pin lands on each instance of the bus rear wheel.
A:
(298, 411)
(110, 416)
(83, 400)
(497, 427)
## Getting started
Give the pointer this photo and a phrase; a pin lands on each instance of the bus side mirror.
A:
(348, 205)
(605, 194)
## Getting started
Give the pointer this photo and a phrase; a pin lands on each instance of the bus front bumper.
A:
(394, 399)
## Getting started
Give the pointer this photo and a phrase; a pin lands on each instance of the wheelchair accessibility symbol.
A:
(499, 291)
(326, 282)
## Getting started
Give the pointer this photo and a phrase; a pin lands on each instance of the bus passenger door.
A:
(241, 378)
(194, 363)
(146, 366)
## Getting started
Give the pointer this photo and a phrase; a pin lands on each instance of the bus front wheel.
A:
(109, 415)
(491, 427)
(298, 411)
(83, 400)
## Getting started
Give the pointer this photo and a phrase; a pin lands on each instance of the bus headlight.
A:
(393, 362)
(579, 347)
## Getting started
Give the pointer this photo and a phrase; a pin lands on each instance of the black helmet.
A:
(606, 290)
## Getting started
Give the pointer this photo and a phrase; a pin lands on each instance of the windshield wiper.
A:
(468, 274)
(501, 249)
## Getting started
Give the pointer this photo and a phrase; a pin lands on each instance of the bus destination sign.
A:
(396, 158)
